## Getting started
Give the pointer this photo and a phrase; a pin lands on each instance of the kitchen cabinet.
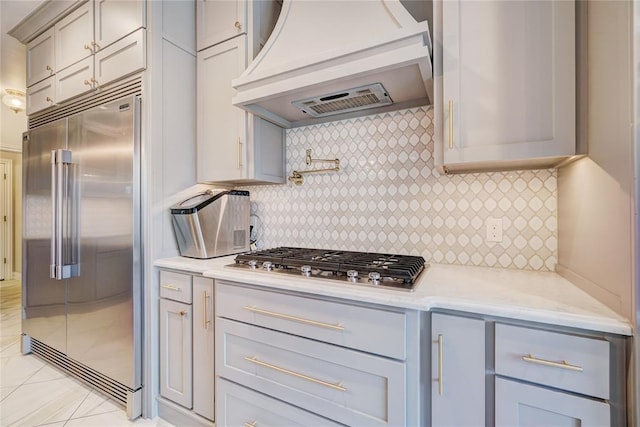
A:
(175, 352)
(73, 36)
(82, 53)
(505, 84)
(349, 363)
(40, 57)
(203, 347)
(187, 341)
(457, 371)
(219, 21)
(233, 146)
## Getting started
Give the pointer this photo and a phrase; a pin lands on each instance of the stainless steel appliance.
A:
(81, 247)
(212, 223)
(351, 268)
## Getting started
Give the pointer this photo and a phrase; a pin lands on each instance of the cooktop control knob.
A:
(306, 270)
(252, 263)
(267, 265)
(374, 277)
(352, 275)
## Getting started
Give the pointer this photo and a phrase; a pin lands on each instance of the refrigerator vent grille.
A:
(93, 378)
(93, 99)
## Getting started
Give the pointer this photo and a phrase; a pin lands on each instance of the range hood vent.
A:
(356, 99)
(375, 46)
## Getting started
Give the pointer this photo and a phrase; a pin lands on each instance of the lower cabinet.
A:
(458, 371)
(282, 347)
(519, 404)
(186, 347)
(508, 373)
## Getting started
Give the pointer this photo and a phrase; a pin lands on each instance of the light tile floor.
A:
(34, 393)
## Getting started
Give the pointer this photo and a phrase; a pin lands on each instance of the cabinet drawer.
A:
(369, 329)
(240, 406)
(348, 386)
(175, 286)
(564, 361)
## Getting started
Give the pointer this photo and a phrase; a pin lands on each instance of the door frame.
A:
(7, 203)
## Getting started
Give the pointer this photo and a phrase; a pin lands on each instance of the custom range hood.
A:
(327, 60)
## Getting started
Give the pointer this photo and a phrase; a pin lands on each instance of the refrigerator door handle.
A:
(54, 217)
(60, 188)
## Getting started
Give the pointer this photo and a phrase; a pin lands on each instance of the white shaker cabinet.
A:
(505, 84)
(233, 146)
(41, 95)
(74, 36)
(457, 371)
(187, 344)
(40, 57)
(203, 347)
(115, 19)
(175, 352)
(219, 20)
(520, 405)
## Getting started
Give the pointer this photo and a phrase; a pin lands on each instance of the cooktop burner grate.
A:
(400, 271)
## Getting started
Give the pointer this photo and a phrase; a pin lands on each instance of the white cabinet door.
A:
(203, 347)
(523, 405)
(41, 95)
(122, 58)
(221, 127)
(115, 19)
(175, 352)
(74, 36)
(40, 57)
(240, 406)
(74, 80)
(457, 371)
(219, 20)
(508, 73)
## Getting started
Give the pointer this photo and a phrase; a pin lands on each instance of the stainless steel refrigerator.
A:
(81, 247)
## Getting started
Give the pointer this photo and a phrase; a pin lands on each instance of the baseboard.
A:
(180, 416)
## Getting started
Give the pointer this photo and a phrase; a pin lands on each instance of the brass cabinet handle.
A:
(172, 288)
(182, 313)
(49, 99)
(440, 367)
(337, 327)
(337, 386)
(237, 25)
(88, 47)
(205, 316)
(239, 153)
(49, 68)
(251, 424)
(563, 365)
(88, 83)
(450, 124)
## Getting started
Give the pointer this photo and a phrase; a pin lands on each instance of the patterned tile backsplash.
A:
(388, 197)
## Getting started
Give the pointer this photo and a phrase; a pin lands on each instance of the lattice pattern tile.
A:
(388, 197)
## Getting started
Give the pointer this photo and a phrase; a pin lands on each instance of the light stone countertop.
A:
(543, 297)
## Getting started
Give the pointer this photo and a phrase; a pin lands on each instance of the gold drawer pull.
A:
(172, 288)
(337, 327)
(251, 424)
(564, 364)
(337, 386)
(450, 124)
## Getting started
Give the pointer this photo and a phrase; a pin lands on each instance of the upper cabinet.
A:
(218, 21)
(505, 91)
(94, 44)
(233, 146)
(40, 57)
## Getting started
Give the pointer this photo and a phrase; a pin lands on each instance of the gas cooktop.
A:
(358, 268)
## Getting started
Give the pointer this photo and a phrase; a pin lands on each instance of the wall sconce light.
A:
(14, 99)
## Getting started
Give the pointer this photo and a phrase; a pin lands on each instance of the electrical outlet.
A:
(494, 230)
